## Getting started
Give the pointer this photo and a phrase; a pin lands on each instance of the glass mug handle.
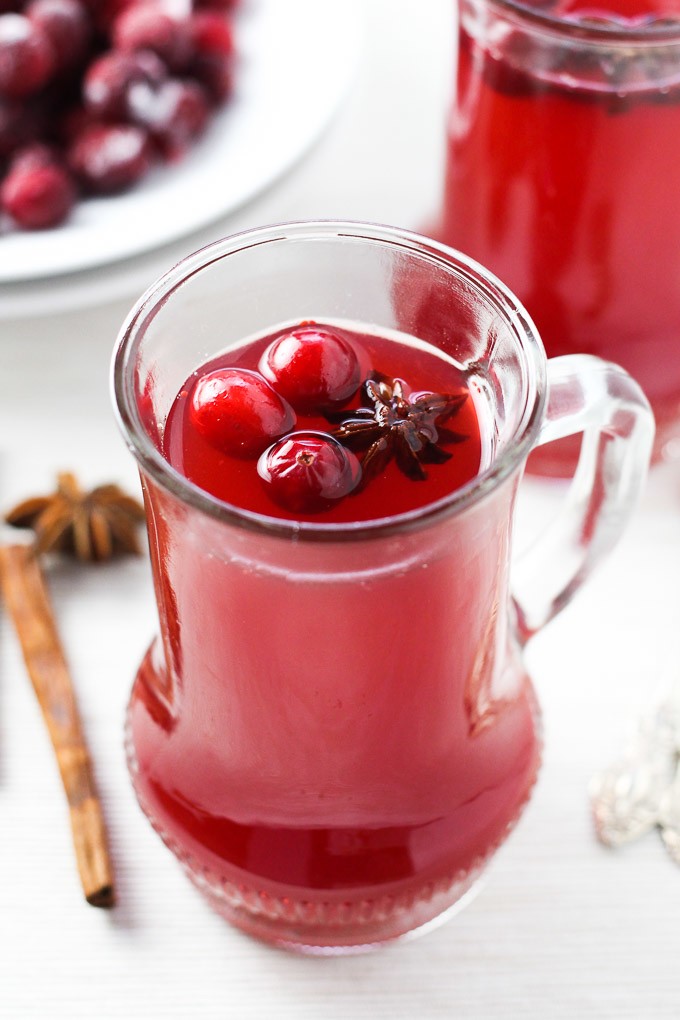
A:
(594, 397)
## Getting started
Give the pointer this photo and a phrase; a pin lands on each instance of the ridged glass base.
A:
(331, 924)
(334, 921)
(336, 927)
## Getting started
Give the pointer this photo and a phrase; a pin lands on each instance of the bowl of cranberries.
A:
(96, 93)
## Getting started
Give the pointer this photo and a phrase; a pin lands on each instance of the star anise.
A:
(392, 424)
(93, 525)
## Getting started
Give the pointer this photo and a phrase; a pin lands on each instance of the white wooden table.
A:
(563, 927)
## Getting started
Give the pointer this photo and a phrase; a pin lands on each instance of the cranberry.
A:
(105, 12)
(110, 79)
(16, 128)
(72, 121)
(38, 190)
(66, 23)
(237, 411)
(26, 56)
(175, 114)
(110, 157)
(312, 367)
(211, 33)
(307, 472)
(217, 5)
(146, 26)
(213, 43)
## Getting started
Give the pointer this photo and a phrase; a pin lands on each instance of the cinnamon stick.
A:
(28, 602)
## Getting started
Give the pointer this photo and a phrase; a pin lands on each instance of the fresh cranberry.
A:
(17, 126)
(211, 33)
(237, 411)
(110, 157)
(216, 74)
(213, 44)
(110, 80)
(38, 191)
(67, 25)
(72, 122)
(312, 367)
(105, 12)
(175, 114)
(146, 26)
(26, 56)
(307, 472)
(217, 5)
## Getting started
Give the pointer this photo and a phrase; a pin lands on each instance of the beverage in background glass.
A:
(335, 730)
(563, 139)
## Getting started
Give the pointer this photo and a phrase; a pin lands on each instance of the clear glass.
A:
(334, 729)
(562, 142)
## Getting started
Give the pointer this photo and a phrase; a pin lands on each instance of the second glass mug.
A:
(334, 730)
(563, 136)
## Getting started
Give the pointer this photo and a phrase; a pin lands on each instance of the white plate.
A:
(296, 60)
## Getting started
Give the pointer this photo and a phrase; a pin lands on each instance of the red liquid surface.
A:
(560, 180)
(235, 480)
(346, 720)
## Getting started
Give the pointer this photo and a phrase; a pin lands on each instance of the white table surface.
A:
(563, 927)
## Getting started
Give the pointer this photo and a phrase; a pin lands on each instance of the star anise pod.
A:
(391, 424)
(93, 525)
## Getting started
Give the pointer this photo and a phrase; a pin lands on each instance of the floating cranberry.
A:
(312, 367)
(146, 26)
(110, 157)
(175, 114)
(38, 191)
(110, 80)
(26, 56)
(307, 472)
(67, 25)
(237, 411)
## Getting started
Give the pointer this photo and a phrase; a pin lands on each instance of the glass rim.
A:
(151, 461)
(648, 33)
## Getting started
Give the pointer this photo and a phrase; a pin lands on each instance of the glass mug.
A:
(334, 730)
(563, 136)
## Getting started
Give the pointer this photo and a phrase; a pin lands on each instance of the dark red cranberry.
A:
(26, 56)
(108, 158)
(110, 79)
(67, 25)
(14, 127)
(237, 411)
(213, 44)
(312, 367)
(105, 12)
(146, 26)
(217, 5)
(211, 33)
(306, 472)
(175, 114)
(38, 191)
(216, 75)
(72, 121)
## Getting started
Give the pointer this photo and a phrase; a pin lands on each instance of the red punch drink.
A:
(334, 730)
(563, 136)
(363, 771)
